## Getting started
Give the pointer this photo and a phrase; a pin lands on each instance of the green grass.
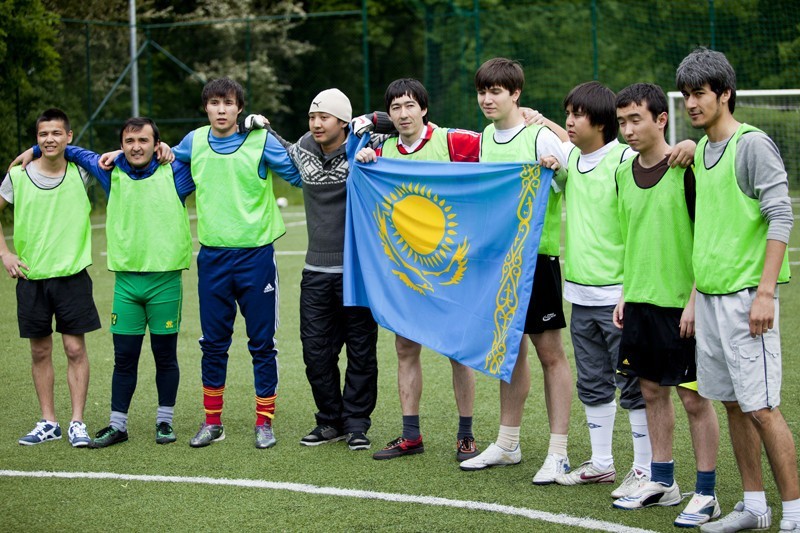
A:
(71, 504)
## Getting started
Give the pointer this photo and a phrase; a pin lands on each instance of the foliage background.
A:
(70, 53)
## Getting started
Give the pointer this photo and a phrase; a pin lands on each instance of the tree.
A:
(29, 70)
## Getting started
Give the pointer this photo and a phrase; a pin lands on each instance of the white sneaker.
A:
(587, 473)
(649, 494)
(701, 509)
(494, 455)
(77, 434)
(554, 464)
(633, 481)
(789, 525)
(737, 520)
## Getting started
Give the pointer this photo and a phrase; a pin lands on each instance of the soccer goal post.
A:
(776, 111)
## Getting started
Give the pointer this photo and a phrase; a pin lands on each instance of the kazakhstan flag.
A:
(444, 253)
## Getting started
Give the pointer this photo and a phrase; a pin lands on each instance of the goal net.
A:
(777, 112)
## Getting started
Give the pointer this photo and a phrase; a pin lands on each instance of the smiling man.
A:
(52, 238)
(144, 199)
(237, 222)
(406, 102)
(326, 325)
(499, 83)
(742, 227)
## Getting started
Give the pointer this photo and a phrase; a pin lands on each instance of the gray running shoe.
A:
(264, 437)
(737, 520)
(207, 434)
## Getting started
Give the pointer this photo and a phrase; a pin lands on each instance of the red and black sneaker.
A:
(466, 449)
(399, 447)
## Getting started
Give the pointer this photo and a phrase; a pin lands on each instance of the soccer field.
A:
(139, 485)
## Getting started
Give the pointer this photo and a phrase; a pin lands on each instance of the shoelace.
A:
(105, 432)
(38, 431)
(466, 443)
(79, 431)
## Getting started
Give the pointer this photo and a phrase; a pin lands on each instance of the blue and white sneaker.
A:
(649, 494)
(43, 432)
(77, 434)
(701, 509)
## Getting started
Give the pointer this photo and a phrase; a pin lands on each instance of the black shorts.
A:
(546, 309)
(69, 299)
(652, 347)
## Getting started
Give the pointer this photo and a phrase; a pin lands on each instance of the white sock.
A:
(508, 438)
(600, 419)
(642, 451)
(558, 444)
(791, 511)
(755, 502)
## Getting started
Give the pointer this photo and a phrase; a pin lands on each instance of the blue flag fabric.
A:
(444, 253)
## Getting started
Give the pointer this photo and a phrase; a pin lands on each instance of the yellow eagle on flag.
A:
(417, 229)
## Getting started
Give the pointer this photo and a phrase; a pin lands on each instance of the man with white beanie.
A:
(325, 323)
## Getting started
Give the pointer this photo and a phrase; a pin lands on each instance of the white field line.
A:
(561, 519)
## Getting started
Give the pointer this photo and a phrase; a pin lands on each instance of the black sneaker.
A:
(164, 433)
(322, 435)
(108, 436)
(357, 441)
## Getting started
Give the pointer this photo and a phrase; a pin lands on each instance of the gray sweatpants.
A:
(596, 339)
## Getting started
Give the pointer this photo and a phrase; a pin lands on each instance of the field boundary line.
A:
(562, 519)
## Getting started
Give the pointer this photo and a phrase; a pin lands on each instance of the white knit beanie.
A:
(333, 102)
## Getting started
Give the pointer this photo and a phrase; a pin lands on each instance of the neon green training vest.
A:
(522, 148)
(147, 227)
(52, 232)
(730, 233)
(433, 150)
(657, 233)
(235, 207)
(593, 239)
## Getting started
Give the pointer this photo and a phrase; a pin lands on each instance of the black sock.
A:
(411, 427)
(464, 427)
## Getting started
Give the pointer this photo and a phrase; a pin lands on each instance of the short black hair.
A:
(410, 87)
(500, 72)
(598, 103)
(639, 93)
(53, 114)
(707, 66)
(222, 87)
(135, 124)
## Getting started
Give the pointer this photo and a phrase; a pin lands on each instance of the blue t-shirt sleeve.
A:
(89, 161)
(184, 183)
(183, 151)
(278, 160)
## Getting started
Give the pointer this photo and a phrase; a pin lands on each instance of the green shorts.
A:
(151, 299)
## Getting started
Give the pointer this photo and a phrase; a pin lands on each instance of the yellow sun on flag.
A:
(424, 225)
(417, 229)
